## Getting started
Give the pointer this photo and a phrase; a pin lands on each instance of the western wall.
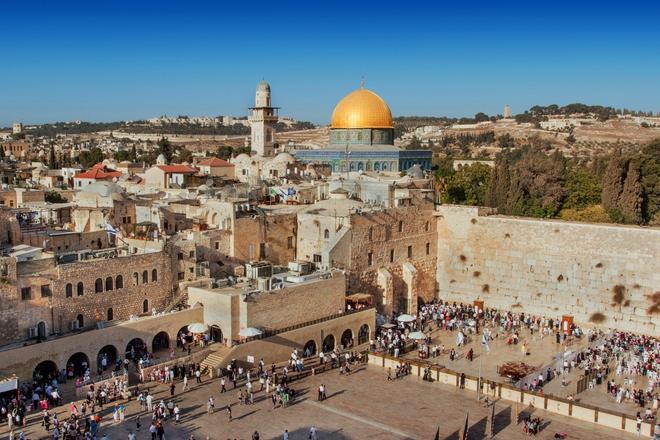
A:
(601, 274)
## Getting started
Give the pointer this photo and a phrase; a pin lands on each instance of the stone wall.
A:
(294, 305)
(601, 274)
(49, 303)
(378, 234)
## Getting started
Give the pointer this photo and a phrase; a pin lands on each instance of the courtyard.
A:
(362, 405)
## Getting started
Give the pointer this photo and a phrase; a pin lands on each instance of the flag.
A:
(437, 434)
(111, 229)
(465, 428)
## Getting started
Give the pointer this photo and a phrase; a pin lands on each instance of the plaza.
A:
(359, 406)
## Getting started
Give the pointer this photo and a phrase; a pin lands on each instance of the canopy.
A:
(405, 318)
(197, 327)
(388, 325)
(249, 332)
(417, 335)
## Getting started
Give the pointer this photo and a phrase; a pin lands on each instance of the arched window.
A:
(136, 278)
(69, 290)
(81, 322)
(98, 285)
(326, 234)
(119, 282)
(145, 306)
(108, 284)
(81, 288)
(154, 276)
(145, 277)
(111, 314)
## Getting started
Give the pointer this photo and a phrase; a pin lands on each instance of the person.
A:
(285, 436)
(210, 405)
(198, 376)
(172, 389)
(185, 383)
(177, 412)
(255, 435)
(137, 423)
(152, 430)
(229, 412)
(222, 385)
(312, 433)
(131, 435)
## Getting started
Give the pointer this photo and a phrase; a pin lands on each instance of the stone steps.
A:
(216, 359)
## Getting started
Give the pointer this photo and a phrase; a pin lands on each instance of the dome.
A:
(362, 108)
(284, 157)
(263, 85)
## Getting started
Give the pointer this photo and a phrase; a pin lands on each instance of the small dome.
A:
(284, 157)
(362, 108)
(263, 86)
(160, 160)
(241, 157)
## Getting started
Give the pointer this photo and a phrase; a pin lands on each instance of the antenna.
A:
(362, 82)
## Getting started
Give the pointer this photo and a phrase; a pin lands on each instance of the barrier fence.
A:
(547, 402)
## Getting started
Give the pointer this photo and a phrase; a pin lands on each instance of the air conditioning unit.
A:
(32, 332)
(74, 325)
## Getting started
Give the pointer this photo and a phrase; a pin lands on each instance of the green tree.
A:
(583, 188)
(414, 144)
(468, 185)
(133, 156)
(165, 148)
(52, 162)
(613, 184)
(54, 197)
(2, 152)
(122, 155)
(90, 158)
(185, 155)
(630, 202)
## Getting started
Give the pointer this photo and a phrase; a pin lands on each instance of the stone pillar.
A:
(410, 277)
(386, 285)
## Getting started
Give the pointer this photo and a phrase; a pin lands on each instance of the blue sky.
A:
(114, 60)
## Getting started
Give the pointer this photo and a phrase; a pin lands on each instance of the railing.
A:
(272, 332)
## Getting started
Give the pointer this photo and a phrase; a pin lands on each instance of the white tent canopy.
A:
(249, 332)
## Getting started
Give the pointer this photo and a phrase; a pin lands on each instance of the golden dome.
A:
(362, 108)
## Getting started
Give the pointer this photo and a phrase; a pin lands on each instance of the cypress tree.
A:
(630, 202)
(613, 182)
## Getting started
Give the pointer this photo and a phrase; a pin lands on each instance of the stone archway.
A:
(77, 365)
(135, 349)
(44, 371)
(363, 334)
(309, 348)
(347, 339)
(183, 332)
(110, 354)
(328, 343)
(160, 342)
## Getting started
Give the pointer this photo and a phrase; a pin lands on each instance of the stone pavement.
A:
(360, 406)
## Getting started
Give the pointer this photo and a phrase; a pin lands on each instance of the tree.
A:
(165, 148)
(613, 184)
(52, 162)
(414, 144)
(89, 158)
(133, 155)
(2, 152)
(505, 141)
(54, 197)
(185, 155)
(630, 202)
(481, 117)
(583, 188)
(122, 155)
(468, 185)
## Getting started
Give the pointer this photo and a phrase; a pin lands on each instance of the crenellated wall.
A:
(606, 275)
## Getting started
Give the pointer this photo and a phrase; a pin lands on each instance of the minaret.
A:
(507, 112)
(262, 121)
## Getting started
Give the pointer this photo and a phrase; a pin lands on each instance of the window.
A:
(136, 278)
(81, 288)
(400, 226)
(26, 293)
(192, 254)
(428, 248)
(45, 290)
(326, 234)
(68, 290)
(289, 242)
(317, 258)
(370, 259)
(80, 320)
(111, 314)
(108, 284)
(371, 233)
(145, 277)
(217, 245)
(409, 251)
(145, 306)
(191, 269)
(391, 255)
(119, 282)
(154, 275)
(262, 250)
(179, 256)
(98, 285)
(426, 227)
(180, 276)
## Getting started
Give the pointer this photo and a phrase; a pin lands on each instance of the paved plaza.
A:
(363, 405)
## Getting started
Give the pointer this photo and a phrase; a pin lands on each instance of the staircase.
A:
(216, 359)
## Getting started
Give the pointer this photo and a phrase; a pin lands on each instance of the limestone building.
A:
(263, 118)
